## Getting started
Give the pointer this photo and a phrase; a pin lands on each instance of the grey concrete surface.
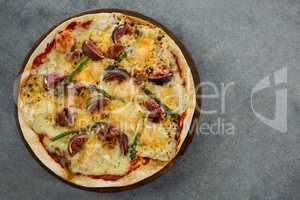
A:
(231, 41)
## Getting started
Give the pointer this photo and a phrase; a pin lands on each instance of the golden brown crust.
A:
(135, 176)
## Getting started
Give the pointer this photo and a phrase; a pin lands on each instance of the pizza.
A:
(106, 100)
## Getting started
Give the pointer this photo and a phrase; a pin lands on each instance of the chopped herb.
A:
(78, 69)
(61, 135)
(121, 57)
(132, 148)
(61, 88)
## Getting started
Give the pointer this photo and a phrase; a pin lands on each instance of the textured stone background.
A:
(231, 41)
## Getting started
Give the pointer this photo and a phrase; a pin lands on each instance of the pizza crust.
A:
(133, 177)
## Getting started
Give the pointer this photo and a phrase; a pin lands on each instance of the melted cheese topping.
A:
(99, 158)
(157, 142)
(40, 117)
(150, 47)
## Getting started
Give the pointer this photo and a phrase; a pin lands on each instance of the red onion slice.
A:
(76, 143)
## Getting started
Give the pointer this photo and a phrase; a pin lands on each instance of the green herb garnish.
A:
(78, 69)
(61, 135)
(132, 148)
(61, 88)
(121, 57)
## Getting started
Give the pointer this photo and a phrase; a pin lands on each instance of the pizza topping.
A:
(105, 131)
(42, 57)
(74, 55)
(97, 103)
(102, 130)
(123, 142)
(108, 132)
(64, 41)
(151, 104)
(75, 24)
(132, 148)
(65, 118)
(166, 109)
(105, 150)
(76, 143)
(139, 76)
(86, 24)
(72, 26)
(121, 30)
(179, 121)
(180, 70)
(115, 73)
(51, 80)
(75, 88)
(156, 111)
(114, 51)
(90, 49)
(156, 115)
(56, 156)
(77, 70)
(160, 78)
(121, 137)
(121, 57)
(64, 134)
(104, 93)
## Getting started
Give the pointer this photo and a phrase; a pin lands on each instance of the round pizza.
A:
(106, 100)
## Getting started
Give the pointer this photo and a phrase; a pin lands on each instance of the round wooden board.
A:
(196, 115)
